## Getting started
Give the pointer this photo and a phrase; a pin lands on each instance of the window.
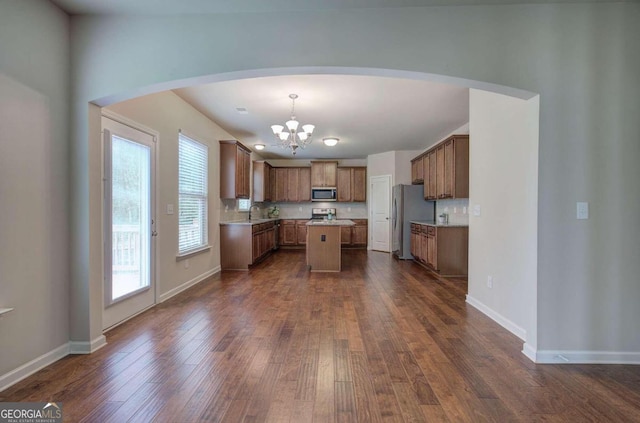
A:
(244, 204)
(192, 195)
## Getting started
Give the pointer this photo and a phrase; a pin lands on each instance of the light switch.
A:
(476, 210)
(582, 210)
(169, 208)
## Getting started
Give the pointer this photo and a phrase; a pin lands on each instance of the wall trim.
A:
(33, 366)
(529, 351)
(585, 357)
(82, 347)
(498, 318)
(175, 291)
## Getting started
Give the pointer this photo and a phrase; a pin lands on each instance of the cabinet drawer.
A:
(425, 229)
(431, 230)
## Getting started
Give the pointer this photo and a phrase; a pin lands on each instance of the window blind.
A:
(192, 195)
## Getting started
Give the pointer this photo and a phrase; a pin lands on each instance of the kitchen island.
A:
(323, 244)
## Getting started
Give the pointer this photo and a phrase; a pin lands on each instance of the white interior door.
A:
(380, 190)
(129, 215)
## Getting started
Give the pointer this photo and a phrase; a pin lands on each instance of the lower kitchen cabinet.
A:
(355, 236)
(242, 245)
(293, 232)
(444, 249)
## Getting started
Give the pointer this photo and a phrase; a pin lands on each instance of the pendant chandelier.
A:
(290, 137)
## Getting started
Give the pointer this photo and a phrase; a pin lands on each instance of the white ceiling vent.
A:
(242, 110)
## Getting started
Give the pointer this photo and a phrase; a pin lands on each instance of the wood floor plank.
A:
(383, 341)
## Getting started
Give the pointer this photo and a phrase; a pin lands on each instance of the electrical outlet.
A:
(169, 208)
(489, 281)
(582, 210)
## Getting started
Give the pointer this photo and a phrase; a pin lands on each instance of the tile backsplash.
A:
(458, 210)
(229, 212)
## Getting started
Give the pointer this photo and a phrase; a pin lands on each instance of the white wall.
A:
(502, 240)
(167, 113)
(34, 211)
(382, 164)
(578, 57)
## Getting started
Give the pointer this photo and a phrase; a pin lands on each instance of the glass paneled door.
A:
(129, 221)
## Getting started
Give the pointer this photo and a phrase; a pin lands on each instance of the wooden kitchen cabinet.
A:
(433, 191)
(429, 172)
(413, 244)
(444, 249)
(293, 175)
(423, 239)
(301, 231)
(235, 167)
(452, 163)
(304, 184)
(345, 235)
(292, 184)
(324, 174)
(293, 232)
(245, 244)
(262, 172)
(417, 170)
(444, 169)
(440, 172)
(355, 236)
(288, 235)
(352, 184)
(360, 233)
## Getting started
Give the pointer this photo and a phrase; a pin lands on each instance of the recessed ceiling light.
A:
(330, 141)
(259, 146)
(242, 110)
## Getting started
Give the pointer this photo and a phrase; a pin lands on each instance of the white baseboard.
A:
(498, 318)
(33, 366)
(175, 291)
(529, 352)
(78, 347)
(585, 357)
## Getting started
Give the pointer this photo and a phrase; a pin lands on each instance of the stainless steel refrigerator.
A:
(408, 204)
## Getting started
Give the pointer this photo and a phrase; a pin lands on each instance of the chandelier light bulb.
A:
(277, 129)
(303, 136)
(308, 129)
(284, 136)
(292, 125)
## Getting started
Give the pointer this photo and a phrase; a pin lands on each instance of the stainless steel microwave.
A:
(323, 194)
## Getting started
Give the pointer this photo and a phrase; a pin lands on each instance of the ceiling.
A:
(174, 7)
(369, 114)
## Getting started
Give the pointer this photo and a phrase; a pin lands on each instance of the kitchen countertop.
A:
(439, 225)
(249, 222)
(333, 222)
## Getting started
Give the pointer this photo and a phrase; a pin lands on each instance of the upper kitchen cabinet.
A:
(445, 169)
(456, 168)
(352, 184)
(235, 166)
(324, 174)
(417, 170)
(292, 184)
(262, 181)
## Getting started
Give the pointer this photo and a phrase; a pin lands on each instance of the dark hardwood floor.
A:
(381, 341)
